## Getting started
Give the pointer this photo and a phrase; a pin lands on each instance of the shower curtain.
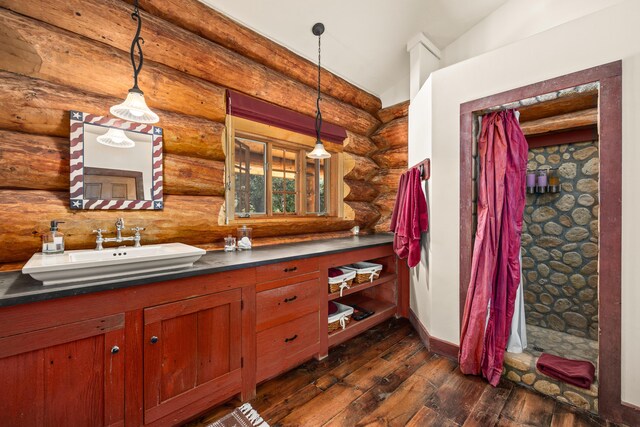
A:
(495, 269)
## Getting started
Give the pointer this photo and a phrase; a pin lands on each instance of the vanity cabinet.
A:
(160, 353)
(287, 316)
(71, 374)
(192, 354)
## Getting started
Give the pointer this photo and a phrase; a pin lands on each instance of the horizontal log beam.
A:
(394, 112)
(561, 105)
(41, 107)
(358, 144)
(35, 49)
(386, 181)
(394, 134)
(182, 50)
(359, 168)
(383, 225)
(42, 163)
(194, 16)
(561, 122)
(395, 158)
(25, 214)
(359, 191)
(365, 214)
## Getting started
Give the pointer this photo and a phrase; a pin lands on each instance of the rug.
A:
(244, 416)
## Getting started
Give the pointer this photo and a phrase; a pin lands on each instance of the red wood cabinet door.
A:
(70, 375)
(192, 355)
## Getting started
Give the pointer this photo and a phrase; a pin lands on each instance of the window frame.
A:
(280, 138)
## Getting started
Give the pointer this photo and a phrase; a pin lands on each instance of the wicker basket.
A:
(340, 319)
(366, 271)
(342, 282)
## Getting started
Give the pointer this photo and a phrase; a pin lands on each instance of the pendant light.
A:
(134, 108)
(318, 152)
(116, 138)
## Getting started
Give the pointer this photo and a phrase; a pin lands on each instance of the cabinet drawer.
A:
(285, 303)
(287, 345)
(281, 270)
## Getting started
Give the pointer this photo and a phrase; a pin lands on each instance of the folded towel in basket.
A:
(335, 272)
(576, 372)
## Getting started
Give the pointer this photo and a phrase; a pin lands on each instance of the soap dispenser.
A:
(53, 241)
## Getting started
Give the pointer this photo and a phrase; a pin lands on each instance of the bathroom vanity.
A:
(160, 350)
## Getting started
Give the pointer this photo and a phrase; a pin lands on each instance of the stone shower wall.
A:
(560, 243)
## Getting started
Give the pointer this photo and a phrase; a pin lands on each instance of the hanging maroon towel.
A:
(245, 106)
(409, 218)
(495, 268)
(579, 373)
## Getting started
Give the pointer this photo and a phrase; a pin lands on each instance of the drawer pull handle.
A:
(287, 270)
(293, 298)
(115, 349)
(154, 339)
(291, 339)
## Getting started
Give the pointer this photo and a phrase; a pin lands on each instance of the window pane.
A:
(250, 181)
(277, 203)
(290, 204)
(315, 177)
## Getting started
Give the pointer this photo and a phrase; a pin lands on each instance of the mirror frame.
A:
(76, 163)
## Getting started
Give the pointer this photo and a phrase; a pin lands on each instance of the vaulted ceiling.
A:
(365, 40)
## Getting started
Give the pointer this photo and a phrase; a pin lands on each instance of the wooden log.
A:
(365, 214)
(39, 50)
(204, 21)
(385, 202)
(387, 180)
(394, 134)
(383, 225)
(190, 175)
(33, 161)
(565, 104)
(359, 168)
(25, 214)
(42, 163)
(567, 121)
(394, 158)
(41, 107)
(182, 50)
(394, 112)
(358, 144)
(359, 191)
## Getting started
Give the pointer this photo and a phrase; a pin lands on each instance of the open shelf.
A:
(384, 278)
(383, 311)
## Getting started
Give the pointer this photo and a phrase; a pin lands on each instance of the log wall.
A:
(57, 55)
(391, 157)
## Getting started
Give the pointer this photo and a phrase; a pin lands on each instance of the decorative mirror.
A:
(114, 164)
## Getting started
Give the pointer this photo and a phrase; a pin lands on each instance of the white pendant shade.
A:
(319, 152)
(134, 109)
(116, 138)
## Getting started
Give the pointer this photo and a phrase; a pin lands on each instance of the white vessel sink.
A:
(110, 264)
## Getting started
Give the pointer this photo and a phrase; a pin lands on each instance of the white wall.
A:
(434, 131)
(516, 20)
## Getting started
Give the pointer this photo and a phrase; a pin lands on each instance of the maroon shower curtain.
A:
(495, 269)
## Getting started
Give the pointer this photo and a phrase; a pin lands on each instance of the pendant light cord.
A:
(136, 43)
(318, 113)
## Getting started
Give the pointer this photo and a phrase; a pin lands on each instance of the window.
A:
(275, 178)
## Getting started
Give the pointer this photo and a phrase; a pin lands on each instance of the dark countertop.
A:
(18, 288)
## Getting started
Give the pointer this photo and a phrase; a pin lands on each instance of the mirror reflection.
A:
(117, 164)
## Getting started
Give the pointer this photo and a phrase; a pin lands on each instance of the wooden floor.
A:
(386, 377)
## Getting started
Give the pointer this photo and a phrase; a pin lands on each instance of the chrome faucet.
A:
(118, 239)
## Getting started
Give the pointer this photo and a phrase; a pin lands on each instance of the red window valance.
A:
(241, 105)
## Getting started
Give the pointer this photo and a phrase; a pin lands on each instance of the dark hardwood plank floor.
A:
(386, 377)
